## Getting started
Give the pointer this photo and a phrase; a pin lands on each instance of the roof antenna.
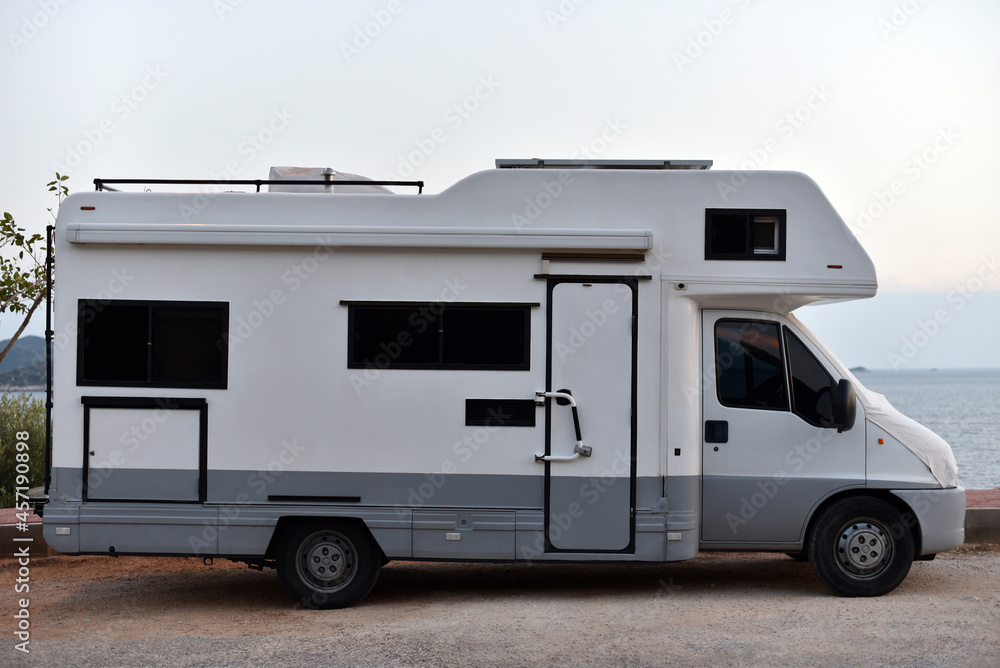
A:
(328, 175)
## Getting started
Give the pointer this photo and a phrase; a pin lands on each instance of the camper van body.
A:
(578, 363)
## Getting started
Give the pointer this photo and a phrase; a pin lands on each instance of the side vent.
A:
(500, 412)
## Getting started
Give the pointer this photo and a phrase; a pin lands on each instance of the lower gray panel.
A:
(762, 510)
(397, 490)
(590, 514)
(492, 516)
(683, 517)
(154, 528)
(142, 485)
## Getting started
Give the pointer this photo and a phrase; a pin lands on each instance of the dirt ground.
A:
(720, 609)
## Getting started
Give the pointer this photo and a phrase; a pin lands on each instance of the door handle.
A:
(564, 398)
(716, 431)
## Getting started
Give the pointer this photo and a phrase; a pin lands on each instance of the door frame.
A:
(148, 403)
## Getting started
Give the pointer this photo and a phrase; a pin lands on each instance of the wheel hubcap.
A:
(864, 548)
(327, 561)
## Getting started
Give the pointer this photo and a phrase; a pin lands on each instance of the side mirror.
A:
(844, 406)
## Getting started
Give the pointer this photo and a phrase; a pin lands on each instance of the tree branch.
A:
(24, 323)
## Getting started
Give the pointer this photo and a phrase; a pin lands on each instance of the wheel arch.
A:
(908, 516)
(287, 522)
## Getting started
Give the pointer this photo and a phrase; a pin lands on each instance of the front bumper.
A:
(940, 514)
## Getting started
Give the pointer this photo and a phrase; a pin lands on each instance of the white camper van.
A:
(550, 361)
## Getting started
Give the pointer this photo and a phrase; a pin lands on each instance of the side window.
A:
(438, 336)
(153, 344)
(748, 365)
(745, 234)
(812, 386)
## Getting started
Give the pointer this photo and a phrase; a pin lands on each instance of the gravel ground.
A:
(717, 609)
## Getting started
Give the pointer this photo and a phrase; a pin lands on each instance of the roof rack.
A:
(538, 163)
(102, 184)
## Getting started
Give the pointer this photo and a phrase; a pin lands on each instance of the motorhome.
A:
(549, 361)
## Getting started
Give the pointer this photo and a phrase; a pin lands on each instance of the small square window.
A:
(744, 234)
(765, 235)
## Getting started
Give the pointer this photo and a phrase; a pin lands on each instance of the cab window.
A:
(811, 384)
(749, 369)
(763, 365)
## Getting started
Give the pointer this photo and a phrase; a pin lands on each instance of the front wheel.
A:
(328, 564)
(861, 547)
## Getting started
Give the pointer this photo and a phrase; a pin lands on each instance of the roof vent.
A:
(317, 173)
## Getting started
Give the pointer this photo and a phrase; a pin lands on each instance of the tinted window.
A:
(812, 386)
(749, 369)
(114, 342)
(728, 235)
(156, 344)
(744, 234)
(438, 336)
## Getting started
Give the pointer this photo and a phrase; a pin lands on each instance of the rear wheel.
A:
(861, 547)
(328, 564)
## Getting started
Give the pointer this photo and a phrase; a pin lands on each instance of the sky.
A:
(891, 106)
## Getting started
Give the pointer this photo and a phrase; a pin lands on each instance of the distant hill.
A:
(24, 377)
(24, 365)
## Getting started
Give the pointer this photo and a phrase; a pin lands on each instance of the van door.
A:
(591, 356)
(769, 452)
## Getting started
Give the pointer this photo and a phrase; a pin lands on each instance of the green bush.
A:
(20, 412)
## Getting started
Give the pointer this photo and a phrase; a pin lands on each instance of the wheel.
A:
(327, 564)
(861, 547)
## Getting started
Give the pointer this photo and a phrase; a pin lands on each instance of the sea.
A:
(960, 405)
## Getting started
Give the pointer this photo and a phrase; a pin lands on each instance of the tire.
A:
(328, 564)
(861, 547)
